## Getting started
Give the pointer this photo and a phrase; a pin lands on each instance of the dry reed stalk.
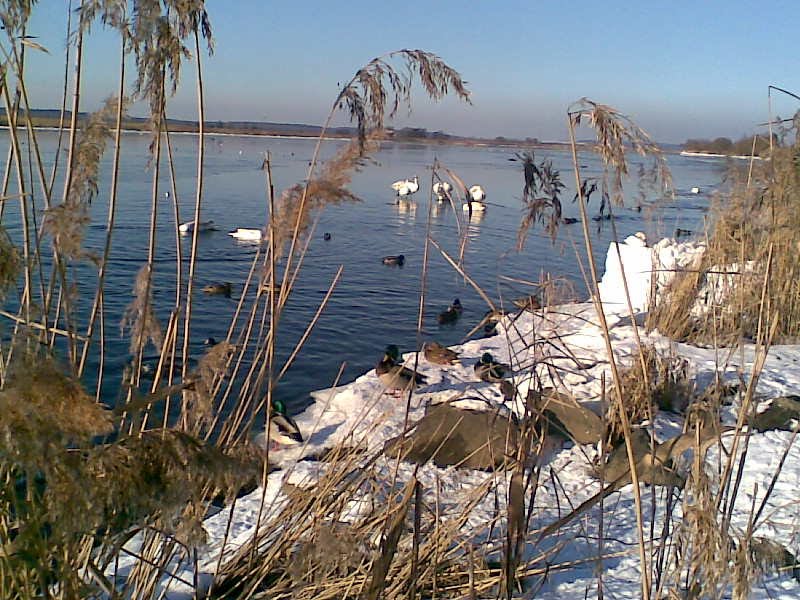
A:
(241, 347)
(753, 218)
(112, 205)
(613, 155)
(323, 303)
(190, 22)
(177, 215)
(26, 247)
(67, 221)
(463, 273)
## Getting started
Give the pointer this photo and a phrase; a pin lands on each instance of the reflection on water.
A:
(373, 304)
(476, 217)
(439, 208)
(473, 222)
(407, 207)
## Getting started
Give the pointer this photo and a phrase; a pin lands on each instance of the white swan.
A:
(477, 194)
(188, 227)
(476, 206)
(247, 235)
(695, 190)
(476, 197)
(442, 190)
(406, 187)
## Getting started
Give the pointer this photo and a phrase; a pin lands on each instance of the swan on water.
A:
(442, 190)
(249, 235)
(406, 187)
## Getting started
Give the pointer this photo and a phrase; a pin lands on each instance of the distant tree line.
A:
(724, 145)
(418, 133)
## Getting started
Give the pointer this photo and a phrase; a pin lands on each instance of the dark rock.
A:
(459, 437)
(580, 423)
(772, 556)
(782, 414)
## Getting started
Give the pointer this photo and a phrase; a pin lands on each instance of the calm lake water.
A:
(374, 304)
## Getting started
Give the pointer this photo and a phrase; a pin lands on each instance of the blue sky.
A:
(680, 69)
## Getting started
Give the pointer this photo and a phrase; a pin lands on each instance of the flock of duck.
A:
(399, 379)
(396, 377)
(284, 431)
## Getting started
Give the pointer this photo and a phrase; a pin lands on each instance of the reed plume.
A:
(67, 221)
(540, 196)
(14, 16)
(157, 38)
(112, 13)
(140, 317)
(9, 263)
(42, 409)
(616, 135)
(379, 86)
(200, 394)
(328, 188)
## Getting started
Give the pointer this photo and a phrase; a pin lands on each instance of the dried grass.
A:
(704, 543)
(617, 134)
(379, 86)
(67, 221)
(140, 316)
(540, 196)
(664, 386)
(752, 226)
(297, 205)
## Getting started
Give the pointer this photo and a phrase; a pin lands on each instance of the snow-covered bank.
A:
(712, 155)
(563, 347)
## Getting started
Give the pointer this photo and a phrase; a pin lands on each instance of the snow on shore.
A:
(712, 155)
(361, 413)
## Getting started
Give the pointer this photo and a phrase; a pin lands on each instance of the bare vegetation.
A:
(79, 481)
(748, 273)
(84, 486)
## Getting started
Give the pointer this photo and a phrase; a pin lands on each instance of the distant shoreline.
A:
(451, 141)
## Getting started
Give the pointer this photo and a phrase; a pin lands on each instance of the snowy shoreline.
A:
(362, 414)
(713, 155)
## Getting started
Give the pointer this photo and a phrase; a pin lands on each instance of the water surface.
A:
(374, 304)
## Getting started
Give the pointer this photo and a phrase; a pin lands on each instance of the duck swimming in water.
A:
(218, 289)
(451, 313)
(247, 235)
(397, 260)
(203, 226)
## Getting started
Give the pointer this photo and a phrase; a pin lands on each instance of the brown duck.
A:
(436, 353)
